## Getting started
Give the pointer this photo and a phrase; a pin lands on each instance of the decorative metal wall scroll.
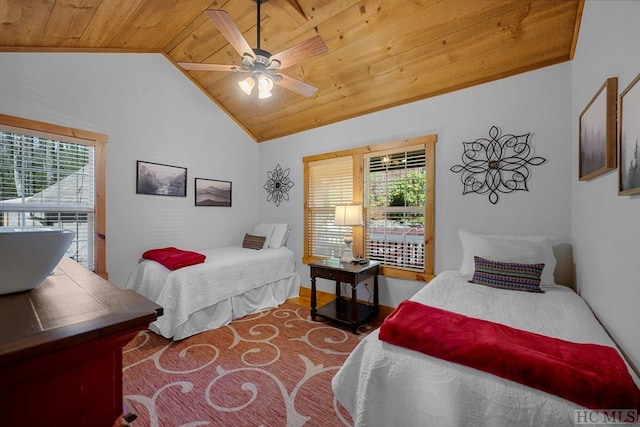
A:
(278, 185)
(499, 164)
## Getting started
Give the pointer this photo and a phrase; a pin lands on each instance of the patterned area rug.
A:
(272, 368)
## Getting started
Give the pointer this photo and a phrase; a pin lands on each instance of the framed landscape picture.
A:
(629, 140)
(597, 141)
(161, 180)
(212, 192)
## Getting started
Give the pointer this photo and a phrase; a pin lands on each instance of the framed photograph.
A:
(161, 180)
(212, 192)
(597, 150)
(629, 140)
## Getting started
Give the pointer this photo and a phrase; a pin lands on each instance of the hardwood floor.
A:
(323, 298)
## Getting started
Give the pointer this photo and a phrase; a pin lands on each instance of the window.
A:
(54, 176)
(395, 190)
(395, 183)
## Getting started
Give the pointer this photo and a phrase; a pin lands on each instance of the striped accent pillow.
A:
(253, 242)
(507, 275)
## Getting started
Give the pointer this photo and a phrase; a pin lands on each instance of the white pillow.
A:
(265, 230)
(279, 236)
(508, 248)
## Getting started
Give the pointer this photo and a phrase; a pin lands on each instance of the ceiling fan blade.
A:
(230, 31)
(301, 51)
(298, 86)
(206, 67)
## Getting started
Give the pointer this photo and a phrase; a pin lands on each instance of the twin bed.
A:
(231, 283)
(383, 384)
(391, 378)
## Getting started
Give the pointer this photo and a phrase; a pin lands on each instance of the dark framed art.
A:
(597, 140)
(212, 192)
(161, 180)
(629, 140)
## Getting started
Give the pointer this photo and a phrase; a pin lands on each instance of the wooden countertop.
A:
(70, 307)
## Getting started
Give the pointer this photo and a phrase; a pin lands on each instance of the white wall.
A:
(606, 227)
(150, 112)
(537, 102)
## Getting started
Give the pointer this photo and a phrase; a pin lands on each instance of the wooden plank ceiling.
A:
(382, 53)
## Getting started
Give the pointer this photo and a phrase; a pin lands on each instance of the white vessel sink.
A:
(29, 254)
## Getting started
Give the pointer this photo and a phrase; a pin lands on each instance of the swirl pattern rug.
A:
(272, 368)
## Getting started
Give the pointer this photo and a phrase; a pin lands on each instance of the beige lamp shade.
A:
(348, 215)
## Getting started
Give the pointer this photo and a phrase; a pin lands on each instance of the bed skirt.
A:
(266, 296)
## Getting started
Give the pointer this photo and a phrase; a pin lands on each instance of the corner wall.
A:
(150, 112)
(606, 227)
(536, 102)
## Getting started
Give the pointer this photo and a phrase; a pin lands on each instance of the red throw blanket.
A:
(174, 258)
(591, 375)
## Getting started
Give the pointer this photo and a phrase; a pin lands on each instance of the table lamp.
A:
(348, 215)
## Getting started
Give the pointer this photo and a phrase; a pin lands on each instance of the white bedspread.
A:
(383, 385)
(226, 273)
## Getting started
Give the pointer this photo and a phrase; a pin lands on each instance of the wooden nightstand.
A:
(344, 309)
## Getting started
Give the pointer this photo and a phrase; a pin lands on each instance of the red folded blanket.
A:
(591, 375)
(174, 258)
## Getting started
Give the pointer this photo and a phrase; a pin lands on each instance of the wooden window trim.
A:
(96, 140)
(428, 141)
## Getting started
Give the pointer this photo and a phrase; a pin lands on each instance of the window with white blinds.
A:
(395, 189)
(329, 183)
(394, 182)
(46, 180)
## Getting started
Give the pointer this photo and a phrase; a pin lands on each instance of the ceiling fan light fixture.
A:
(265, 85)
(247, 85)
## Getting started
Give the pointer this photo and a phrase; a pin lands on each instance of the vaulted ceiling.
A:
(380, 53)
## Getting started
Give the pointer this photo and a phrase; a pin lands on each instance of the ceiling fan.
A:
(261, 65)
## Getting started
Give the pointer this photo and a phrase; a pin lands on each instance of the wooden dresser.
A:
(61, 349)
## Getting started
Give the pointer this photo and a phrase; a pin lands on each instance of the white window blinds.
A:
(395, 189)
(330, 183)
(49, 182)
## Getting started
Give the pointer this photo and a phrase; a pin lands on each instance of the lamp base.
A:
(347, 252)
(347, 256)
